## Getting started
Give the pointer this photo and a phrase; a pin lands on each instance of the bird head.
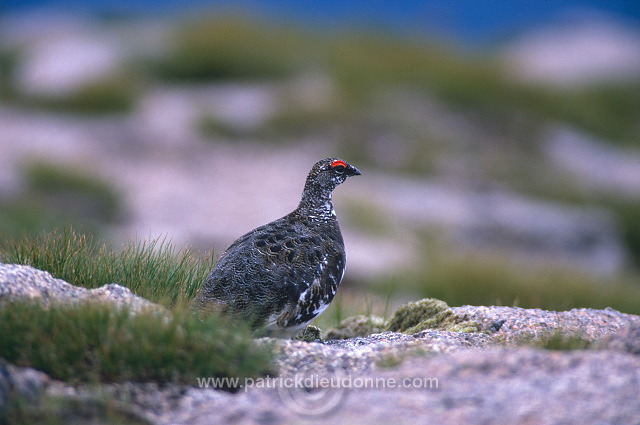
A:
(324, 176)
(328, 173)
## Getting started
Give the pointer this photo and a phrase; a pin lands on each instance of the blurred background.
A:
(499, 142)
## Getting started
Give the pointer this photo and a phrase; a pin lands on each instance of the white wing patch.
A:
(304, 303)
(303, 294)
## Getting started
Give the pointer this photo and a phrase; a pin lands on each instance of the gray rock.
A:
(18, 282)
(594, 163)
(456, 377)
(517, 324)
(128, 402)
(432, 376)
(516, 386)
(478, 386)
(25, 282)
(577, 50)
(500, 326)
(519, 227)
(360, 354)
(63, 53)
(18, 383)
(626, 340)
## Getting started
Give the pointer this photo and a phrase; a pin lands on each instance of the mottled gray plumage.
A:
(282, 275)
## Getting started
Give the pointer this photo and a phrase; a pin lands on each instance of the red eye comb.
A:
(339, 163)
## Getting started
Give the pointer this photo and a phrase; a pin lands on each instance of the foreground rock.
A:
(17, 383)
(498, 373)
(18, 282)
(515, 386)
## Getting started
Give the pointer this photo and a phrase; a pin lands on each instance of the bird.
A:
(281, 276)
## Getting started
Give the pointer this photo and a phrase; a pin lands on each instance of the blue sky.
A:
(467, 21)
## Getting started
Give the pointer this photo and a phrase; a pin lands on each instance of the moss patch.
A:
(429, 313)
(410, 318)
(356, 326)
(309, 334)
(557, 340)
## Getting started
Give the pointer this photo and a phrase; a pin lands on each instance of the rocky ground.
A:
(478, 186)
(500, 370)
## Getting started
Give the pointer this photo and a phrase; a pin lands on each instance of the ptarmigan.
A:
(281, 276)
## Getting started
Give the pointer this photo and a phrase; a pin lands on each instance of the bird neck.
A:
(317, 206)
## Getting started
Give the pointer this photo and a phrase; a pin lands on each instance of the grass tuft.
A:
(557, 341)
(96, 343)
(154, 269)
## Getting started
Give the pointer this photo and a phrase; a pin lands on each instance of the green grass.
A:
(365, 64)
(494, 281)
(215, 128)
(609, 111)
(26, 217)
(294, 122)
(60, 410)
(559, 341)
(97, 343)
(154, 269)
(56, 195)
(8, 60)
(212, 48)
(76, 193)
(116, 94)
(350, 301)
(628, 216)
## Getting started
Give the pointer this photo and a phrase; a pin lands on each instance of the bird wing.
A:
(309, 279)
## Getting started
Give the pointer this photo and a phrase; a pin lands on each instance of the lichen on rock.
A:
(429, 313)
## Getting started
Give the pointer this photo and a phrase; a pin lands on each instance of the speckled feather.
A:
(282, 275)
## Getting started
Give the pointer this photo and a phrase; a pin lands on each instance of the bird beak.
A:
(354, 171)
